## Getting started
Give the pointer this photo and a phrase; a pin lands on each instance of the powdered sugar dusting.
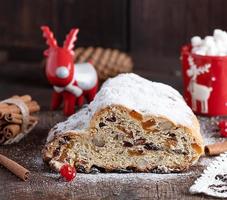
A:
(133, 92)
(144, 96)
(76, 122)
(123, 178)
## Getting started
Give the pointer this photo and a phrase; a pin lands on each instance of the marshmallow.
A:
(212, 51)
(218, 34)
(209, 41)
(215, 45)
(196, 41)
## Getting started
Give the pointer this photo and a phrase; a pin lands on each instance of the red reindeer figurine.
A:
(71, 82)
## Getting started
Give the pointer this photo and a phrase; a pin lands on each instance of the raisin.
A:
(122, 171)
(100, 169)
(62, 142)
(66, 138)
(94, 170)
(127, 144)
(80, 169)
(128, 133)
(151, 146)
(131, 168)
(56, 152)
(173, 135)
(111, 119)
(101, 124)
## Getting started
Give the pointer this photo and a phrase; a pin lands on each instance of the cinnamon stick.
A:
(24, 98)
(216, 148)
(13, 118)
(14, 167)
(3, 105)
(18, 118)
(33, 106)
(11, 130)
(2, 114)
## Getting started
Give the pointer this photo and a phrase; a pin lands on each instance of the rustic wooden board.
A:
(45, 184)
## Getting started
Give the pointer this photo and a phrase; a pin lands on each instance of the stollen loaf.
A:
(132, 124)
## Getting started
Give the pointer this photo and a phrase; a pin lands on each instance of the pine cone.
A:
(108, 62)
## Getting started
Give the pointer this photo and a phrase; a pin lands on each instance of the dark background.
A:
(152, 31)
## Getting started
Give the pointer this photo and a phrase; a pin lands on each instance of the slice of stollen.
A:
(132, 124)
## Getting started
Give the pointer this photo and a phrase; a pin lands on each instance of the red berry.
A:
(223, 132)
(68, 172)
(222, 124)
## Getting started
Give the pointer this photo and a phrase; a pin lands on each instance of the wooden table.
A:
(44, 184)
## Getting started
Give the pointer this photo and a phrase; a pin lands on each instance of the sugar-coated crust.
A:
(132, 92)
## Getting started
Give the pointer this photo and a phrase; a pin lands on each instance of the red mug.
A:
(205, 82)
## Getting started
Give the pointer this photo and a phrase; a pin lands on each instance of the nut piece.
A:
(166, 125)
(98, 141)
(111, 119)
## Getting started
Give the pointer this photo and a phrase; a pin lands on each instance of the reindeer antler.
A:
(194, 70)
(205, 68)
(70, 39)
(48, 34)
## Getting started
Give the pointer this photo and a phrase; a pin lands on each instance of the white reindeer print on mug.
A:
(198, 91)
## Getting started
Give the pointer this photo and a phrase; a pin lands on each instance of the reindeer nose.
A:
(62, 72)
